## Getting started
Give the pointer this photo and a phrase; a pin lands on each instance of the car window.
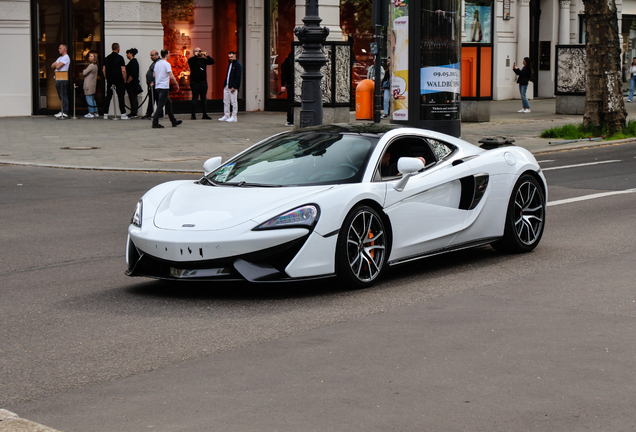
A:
(442, 150)
(403, 147)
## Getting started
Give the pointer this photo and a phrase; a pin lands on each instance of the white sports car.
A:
(338, 200)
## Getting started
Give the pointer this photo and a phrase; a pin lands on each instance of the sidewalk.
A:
(133, 145)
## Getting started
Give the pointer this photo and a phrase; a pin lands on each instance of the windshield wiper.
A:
(243, 183)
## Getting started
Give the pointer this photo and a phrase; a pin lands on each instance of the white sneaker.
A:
(105, 116)
(89, 115)
(231, 120)
(522, 110)
(224, 118)
(64, 116)
(527, 110)
(58, 115)
(124, 117)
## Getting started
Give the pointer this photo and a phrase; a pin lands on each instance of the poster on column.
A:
(399, 60)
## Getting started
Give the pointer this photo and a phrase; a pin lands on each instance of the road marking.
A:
(545, 161)
(589, 197)
(579, 165)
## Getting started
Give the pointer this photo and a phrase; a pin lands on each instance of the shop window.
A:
(213, 26)
(356, 23)
(282, 21)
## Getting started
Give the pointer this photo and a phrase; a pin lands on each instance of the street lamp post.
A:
(311, 35)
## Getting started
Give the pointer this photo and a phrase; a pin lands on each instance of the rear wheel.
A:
(362, 247)
(525, 219)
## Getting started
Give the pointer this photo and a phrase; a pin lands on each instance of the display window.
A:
(356, 23)
(215, 26)
(282, 21)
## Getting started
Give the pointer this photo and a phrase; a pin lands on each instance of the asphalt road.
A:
(475, 340)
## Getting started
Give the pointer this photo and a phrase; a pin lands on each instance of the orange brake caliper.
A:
(372, 251)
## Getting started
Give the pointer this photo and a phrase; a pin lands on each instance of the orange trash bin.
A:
(364, 100)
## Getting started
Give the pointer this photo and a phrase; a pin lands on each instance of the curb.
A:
(10, 422)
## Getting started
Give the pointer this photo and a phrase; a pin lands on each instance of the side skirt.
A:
(467, 245)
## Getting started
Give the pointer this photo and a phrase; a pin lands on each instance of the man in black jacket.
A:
(199, 80)
(231, 87)
(150, 82)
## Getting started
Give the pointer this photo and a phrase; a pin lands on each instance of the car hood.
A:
(208, 208)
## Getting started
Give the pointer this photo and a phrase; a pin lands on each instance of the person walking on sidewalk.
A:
(386, 88)
(231, 86)
(114, 70)
(163, 75)
(199, 80)
(61, 85)
(632, 80)
(525, 75)
(132, 82)
(150, 82)
(90, 84)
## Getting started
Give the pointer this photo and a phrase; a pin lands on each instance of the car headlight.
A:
(301, 217)
(136, 219)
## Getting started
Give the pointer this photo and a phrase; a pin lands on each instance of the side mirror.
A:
(211, 164)
(407, 166)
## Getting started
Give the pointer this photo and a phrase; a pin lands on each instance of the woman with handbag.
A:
(132, 85)
(632, 80)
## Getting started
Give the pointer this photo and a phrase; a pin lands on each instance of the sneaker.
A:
(224, 118)
(176, 123)
(64, 116)
(146, 117)
(289, 124)
(629, 100)
(124, 117)
(58, 115)
(522, 110)
(89, 115)
(193, 117)
(133, 116)
(232, 120)
(206, 117)
(157, 126)
(105, 116)
(527, 110)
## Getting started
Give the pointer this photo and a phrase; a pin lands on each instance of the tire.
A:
(525, 218)
(362, 248)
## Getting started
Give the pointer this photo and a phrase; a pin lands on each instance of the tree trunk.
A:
(604, 105)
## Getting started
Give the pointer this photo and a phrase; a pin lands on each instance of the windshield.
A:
(300, 158)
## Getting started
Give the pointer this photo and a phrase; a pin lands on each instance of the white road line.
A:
(589, 197)
(579, 165)
(545, 161)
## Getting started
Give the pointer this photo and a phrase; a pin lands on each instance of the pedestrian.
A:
(150, 82)
(287, 85)
(61, 79)
(199, 80)
(114, 70)
(231, 86)
(632, 80)
(133, 88)
(525, 76)
(163, 75)
(90, 84)
(386, 87)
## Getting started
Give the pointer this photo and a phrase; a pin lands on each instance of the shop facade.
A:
(494, 34)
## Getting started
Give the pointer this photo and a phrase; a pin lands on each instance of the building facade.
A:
(261, 32)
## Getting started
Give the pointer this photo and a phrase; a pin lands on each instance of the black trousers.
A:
(120, 88)
(290, 103)
(131, 89)
(152, 101)
(199, 89)
(163, 100)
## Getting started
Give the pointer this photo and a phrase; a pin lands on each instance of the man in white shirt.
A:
(163, 75)
(61, 85)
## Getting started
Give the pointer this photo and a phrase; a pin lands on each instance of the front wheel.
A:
(362, 247)
(525, 219)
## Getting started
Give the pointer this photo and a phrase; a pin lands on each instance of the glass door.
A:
(86, 24)
(282, 21)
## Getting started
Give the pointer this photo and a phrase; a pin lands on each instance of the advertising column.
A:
(440, 50)
(399, 33)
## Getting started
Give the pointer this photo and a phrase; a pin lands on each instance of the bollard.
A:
(115, 100)
(74, 100)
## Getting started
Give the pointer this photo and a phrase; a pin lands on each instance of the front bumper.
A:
(265, 265)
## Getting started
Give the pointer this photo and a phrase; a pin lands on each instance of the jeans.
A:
(632, 84)
(62, 91)
(163, 100)
(121, 92)
(199, 90)
(92, 105)
(524, 100)
(230, 98)
(387, 98)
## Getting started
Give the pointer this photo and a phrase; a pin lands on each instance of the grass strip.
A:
(577, 131)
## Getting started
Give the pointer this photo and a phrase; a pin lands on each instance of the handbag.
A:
(139, 89)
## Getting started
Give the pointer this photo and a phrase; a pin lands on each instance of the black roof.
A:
(357, 128)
